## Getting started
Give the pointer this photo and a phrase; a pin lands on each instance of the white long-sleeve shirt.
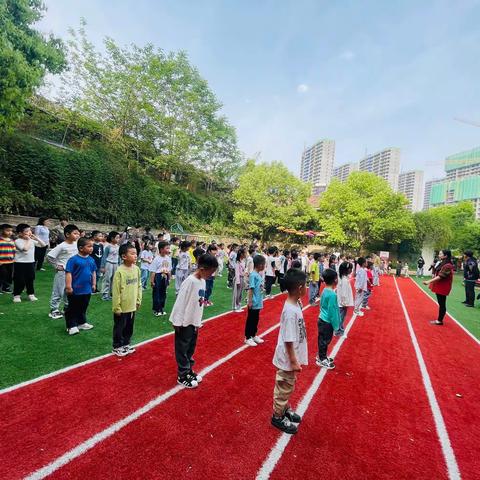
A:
(61, 254)
(188, 308)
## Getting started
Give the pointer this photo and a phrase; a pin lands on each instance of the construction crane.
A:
(468, 122)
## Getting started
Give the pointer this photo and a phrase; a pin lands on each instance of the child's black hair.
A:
(112, 235)
(448, 254)
(95, 232)
(329, 276)
(258, 260)
(42, 220)
(272, 250)
(293, 279)
(21, 227)
(361, 261)
(316, 256)
(207, 261)
(162, 245)
(241, 251)
(82, 241)
(69, 229)
(124, 248)
(184, 246)
(294, 255)
(212, 247)
(4, 226)
(296, 264)
(344, 269)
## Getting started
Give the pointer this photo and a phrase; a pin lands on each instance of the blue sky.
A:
(369, 74)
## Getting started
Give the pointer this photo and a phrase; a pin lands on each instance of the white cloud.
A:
(347, 55)
(303, 88)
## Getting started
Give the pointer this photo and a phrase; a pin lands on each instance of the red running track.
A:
(453, 361)
(43, 420)
(371, 419)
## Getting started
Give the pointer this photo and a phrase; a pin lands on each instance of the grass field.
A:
(33, 344)
(468, 317)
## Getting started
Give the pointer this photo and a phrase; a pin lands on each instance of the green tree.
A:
(362, 210)
(269, 196)
(25, 56)
(145, 96)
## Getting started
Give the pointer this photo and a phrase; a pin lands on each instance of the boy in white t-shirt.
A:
(186, 318)
(291, 352)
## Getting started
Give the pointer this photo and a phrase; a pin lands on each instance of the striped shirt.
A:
(7, 251)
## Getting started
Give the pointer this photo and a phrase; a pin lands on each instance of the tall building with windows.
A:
(343, 171)
(428, 191)
(411, 185)
(385, 164)
(317, 165)
(462, 181)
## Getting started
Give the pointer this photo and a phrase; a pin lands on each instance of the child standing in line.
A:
(183, 266)
(270, 272)
(109, 264)
(255, 301)
(344, 294)
(314, 286)
(232, 256)
(126, 300)
(193, 260)
(80, 282)
(58, 257)
(220, 259)
(210, 282)
(238, 284)
(146, 258)
(368, 292)
(7, 257)
(360, 286)
(24, 268)
(175, 250)
(329, 320)
(160, 273)
(97, 255)
(186, 318)
(291, 352)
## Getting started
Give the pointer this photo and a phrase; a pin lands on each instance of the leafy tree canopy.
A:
(25, 56)
(269, 196)
(363, 209)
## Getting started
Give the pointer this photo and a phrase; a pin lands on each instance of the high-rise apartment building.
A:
(385, 164)
(428, 191)
(317, 165)
(462, 181)
(343, 171)
(411, 185)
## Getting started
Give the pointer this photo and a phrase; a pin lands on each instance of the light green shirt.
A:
(126, 290)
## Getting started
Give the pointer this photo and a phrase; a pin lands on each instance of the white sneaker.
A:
(239, 310)
(367, 308)
(17, 299)
(55, 314)
(250, 342)
(85, 326)
(73, 331)
(32, 298)
(359, 314)
(257, 339)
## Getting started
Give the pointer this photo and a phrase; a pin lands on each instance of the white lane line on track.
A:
(115, 427)
(468, 332)
(447, 450)
(96, 359)
(278, 449)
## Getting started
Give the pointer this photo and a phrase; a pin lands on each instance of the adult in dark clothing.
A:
(420, 265)
(470, 276)
(441, 283)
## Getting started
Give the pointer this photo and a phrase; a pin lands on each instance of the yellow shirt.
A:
(126, 290)
(193, 260)
(314, 272)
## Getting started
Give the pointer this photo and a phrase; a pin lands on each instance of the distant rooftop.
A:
(462, 159)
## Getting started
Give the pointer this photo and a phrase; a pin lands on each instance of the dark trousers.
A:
(174, 265)
(76, 312)
(325, 334)
(209, 287)
(269, 281)
(185, 343)
(23, 277)
(251, 327)
(40, 253)
(159, 292)
(281, 281)
(122, 328)
(470, 292)
(6, 276)
(231, 276)
(442, 306)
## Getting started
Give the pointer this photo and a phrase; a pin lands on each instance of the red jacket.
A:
(445, 271)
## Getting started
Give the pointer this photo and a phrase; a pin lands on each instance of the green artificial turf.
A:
(33, 344)
(468, 317)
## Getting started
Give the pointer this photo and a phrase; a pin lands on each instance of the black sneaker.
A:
(284, 424)
(292, 416)
(196, 377)
(187, 381)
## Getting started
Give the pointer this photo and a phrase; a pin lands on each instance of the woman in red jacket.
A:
(441, 283)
